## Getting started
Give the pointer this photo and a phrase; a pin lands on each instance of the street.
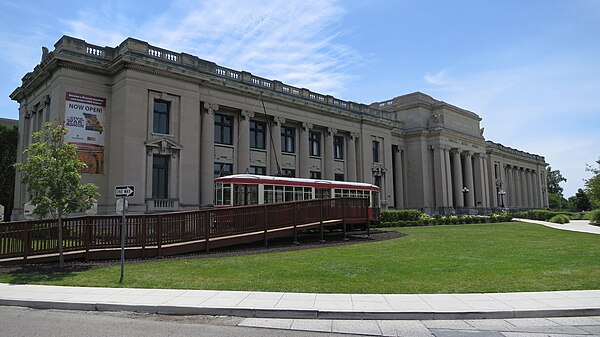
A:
(17, 321)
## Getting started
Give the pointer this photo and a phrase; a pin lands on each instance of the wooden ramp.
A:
(150, 235)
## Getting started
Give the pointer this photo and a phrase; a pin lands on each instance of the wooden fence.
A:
(99, 237)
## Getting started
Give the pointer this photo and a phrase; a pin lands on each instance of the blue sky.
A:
(530, 69)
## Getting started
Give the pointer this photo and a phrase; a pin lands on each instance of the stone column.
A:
(458, 179)
(351, 161)
(207, 155)
(276, 146)
(519, 187)
(303, 155)
(468, 178)
(530, 198)
(398, 179)
(243, 148)
(478, 181)
(448, 173)
(487, 202)
(439, 172)
(328, 154)
(507, 185)
(513, 186)
(536, 190)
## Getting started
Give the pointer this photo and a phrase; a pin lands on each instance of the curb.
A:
(301, 313)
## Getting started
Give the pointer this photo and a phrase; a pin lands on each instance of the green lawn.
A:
(443, 259)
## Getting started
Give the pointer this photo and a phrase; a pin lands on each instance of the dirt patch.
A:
(306, 241)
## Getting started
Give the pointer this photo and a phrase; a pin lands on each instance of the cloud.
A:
(294, 42)
(438, 78)
(549, 109)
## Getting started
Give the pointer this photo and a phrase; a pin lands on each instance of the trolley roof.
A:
(318, 183)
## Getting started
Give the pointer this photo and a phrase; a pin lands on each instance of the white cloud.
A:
(537, 108)
(292, 41)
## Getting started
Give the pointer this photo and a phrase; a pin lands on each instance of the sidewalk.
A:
(313, 306)
(574, 226)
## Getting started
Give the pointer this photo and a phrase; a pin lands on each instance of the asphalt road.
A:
(16, 322)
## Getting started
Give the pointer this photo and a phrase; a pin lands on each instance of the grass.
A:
(502, 257)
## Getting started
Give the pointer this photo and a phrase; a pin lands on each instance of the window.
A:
(160, 176)
(288, 173)
(375, 151)
(223, 129)
(339, 177)
(378, 181)
(288, 139)
(245, 195)
(338, 147)
(314, 144)
(223, 169)
(257, 135)
(257, 170)
(222, 194)
(315, 175)
(161, 116)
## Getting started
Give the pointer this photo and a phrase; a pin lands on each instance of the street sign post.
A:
(123, 191)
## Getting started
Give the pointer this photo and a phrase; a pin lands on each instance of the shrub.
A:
(560, 218)
(595, 216)
(401, 215)
(539, 214)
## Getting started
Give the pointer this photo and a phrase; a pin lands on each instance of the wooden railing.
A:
(152, 233)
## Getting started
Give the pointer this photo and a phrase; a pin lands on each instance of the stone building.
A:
(170, 122)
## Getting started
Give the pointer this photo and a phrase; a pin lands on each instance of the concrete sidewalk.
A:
(313, 306)
(573, 226)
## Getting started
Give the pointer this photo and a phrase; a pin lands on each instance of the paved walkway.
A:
(313, 306)
(574, 226)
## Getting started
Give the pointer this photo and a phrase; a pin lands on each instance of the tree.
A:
(593, 184)
(51, 173)
(9, 137)
(555, 191)
(580, 201)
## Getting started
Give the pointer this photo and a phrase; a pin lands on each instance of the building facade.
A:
(169, 123)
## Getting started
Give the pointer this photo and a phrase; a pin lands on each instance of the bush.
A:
(539, 214)
(560, 218)
(401, 215)
(595, 217)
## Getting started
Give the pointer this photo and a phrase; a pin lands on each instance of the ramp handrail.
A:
(30, 238)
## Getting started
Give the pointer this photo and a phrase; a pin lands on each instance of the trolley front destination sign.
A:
(124, 191)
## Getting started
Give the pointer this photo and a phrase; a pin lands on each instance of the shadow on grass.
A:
(42, 273)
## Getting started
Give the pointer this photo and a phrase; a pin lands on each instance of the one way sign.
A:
(124, 191)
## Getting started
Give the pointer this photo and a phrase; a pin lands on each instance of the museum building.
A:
(169, 123)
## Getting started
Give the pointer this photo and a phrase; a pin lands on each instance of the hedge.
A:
(539, 214)
(426, 220)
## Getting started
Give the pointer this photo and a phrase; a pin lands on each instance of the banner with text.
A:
(84, 118)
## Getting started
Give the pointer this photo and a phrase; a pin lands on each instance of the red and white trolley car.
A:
(249, 189)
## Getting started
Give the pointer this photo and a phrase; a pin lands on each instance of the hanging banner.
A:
(84, 118)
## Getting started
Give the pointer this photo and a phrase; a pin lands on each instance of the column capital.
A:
(455, 150)
(279, 120)
(306, 126)
(398, 148)
(354, 135)
(247, 114)
(331, 131)
(211, 107)
(467, 153)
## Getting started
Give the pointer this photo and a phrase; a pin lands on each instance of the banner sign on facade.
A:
(84, 118)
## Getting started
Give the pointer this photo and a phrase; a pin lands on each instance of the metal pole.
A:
(122, 241)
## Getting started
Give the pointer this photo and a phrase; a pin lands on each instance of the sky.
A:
(529, 68)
